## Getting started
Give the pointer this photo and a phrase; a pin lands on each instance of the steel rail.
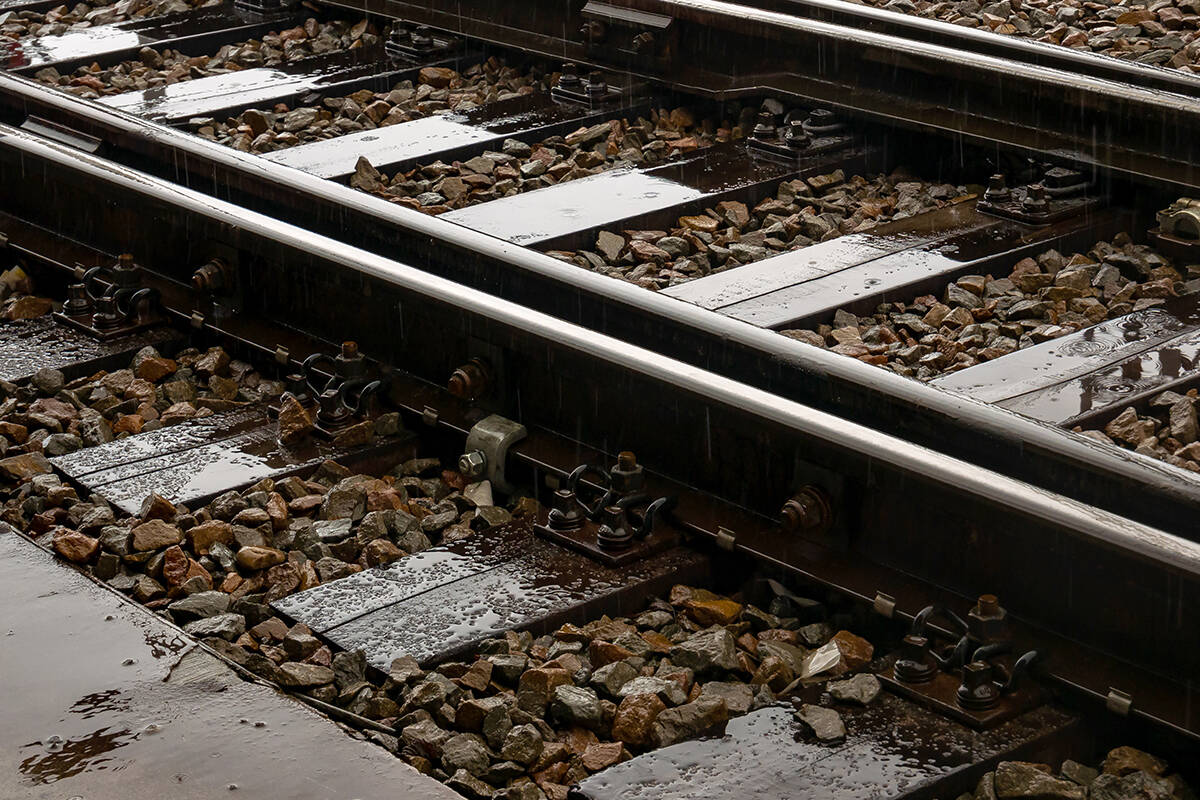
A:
(195, 160)
(1078, 518)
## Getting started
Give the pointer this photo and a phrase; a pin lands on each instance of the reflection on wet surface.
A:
(609, 197)
(892, 747)
(85, 706)
(28, 345)
(57, 759)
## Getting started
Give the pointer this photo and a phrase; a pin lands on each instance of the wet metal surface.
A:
(196, 460)
(893, 748)
(430, 137)
(444, 600)
(612, 196)
(1090, 369)
(815, 281)
(28, 345)
(102, 700)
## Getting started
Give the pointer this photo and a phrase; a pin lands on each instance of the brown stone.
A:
(23, 467)
(294, 420)
(634, 720)
(437, 77)
(856, 651)
(75, 546)
(13, 432)
(174, 566)
(355, 435)
(774, 673)
(478, 676)
(715, 611)
(1124, 760)
(381, 551)
(277, 511)
(155, 506)
(155, 368)
(272, 630)
(128, 423)
(202, 537)
(734, 212)
(29, 307)
(259, 557)
(306, 504)
(657, 642)
(155, 535)
(601, 755)
(601, 653)
(704, 224)
(282, 580)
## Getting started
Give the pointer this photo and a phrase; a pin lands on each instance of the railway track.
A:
(736, 286)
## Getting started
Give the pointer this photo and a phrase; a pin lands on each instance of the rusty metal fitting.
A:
(422, 38)
(1035, 199)
(471, 380)
(627, 476)
(596, 87)
(332, 412)
(349, 363)
(978, 691)
(997, 190)
(988, 621)
(614, 534)
(213, 278)
(795, 135)
(765, 128)
(565, 514)
(822, 121)
(593, 30)
(807, 511)
(79, 302)
(107, 315)
(125, 272)
(472, 464)
(569, 78)
(400, 35)
(643, 43)
(915, 663)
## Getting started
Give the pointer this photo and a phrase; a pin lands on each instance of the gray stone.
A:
(708, 651)
(47, 380)
(575, 705)
(738, 697)
(301, 676)
(1183, 421)
(331, 531)
(825, 723)
(1019, 779)
(200, 605)
(861, 689)
(1138, 785)
(507, 668)
(688, 720)
(611, 677)
(59, 444)
(465, 751)
(426, 737)
(523, 744)
(225, 626)
(1080, 773)
(346, 500)
(349, 668)
(667, 690)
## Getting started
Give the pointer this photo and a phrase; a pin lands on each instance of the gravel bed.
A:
(437, 90)
(1162, 32)
(166, 67)
(65, 18)
(519, 167)
(1126, 773)
(980, 318)
(1166, 431)
(730, 234)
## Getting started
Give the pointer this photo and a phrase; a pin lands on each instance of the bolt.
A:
(472, 464)
(565, 515)
(422, 38)
(627, 476)
(349, 349)
(614, 535)
(807, 510)
(820, 119)
(977, 691)
(400, 35)
(331, 411)
(212, 277)
(78, 304)
(643, 43)
(125, 272)
(592, 30)
(997, 190)
(107, 316)
(765, 128)
(914, 664)
(795, 135)
(569, 79)
(596, 85)
(988, 621)
(1035, 200)
(469, 381)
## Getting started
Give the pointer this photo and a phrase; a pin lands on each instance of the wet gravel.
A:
(1126, 773)
(78, 16)
(729, 234)
(1160, 33)
(979, 318)
(518, 167)
(166, 67)
(1166, 429)
(17, 297)
(437, 90)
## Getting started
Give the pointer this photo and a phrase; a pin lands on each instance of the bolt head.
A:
(472, 464)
